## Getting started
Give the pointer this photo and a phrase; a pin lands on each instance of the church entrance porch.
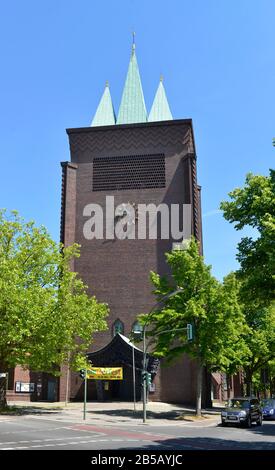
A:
(119, 390)
(120, 352)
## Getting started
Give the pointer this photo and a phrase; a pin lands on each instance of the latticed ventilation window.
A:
(118, 327)
(129, 172)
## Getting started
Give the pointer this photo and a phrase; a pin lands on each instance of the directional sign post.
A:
(190, 332)
(85, 395)
(98, 373)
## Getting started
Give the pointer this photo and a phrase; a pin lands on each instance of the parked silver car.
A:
(243, 411)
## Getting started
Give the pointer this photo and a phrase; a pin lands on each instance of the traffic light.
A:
(82, 373)
(190, 332)
(144, 377)
(148, 379)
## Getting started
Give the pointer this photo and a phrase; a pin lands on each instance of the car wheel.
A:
(259, 421)
(248, 422)
(224, 424)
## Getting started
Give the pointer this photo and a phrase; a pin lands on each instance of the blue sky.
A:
(217, 58)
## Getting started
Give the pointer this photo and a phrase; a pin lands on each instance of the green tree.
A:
(254, 206)
(260, 340)
(46, 315)
(271, 377)
(237, 355)
(210, 306)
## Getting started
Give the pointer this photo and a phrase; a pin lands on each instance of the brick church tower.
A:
(135, 159)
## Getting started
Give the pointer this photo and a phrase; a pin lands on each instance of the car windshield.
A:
(238, 404)
(268, 402)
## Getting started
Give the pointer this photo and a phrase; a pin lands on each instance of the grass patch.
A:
(20, 410)
(10, 411)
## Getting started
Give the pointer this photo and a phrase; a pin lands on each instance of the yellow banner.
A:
(105, 373)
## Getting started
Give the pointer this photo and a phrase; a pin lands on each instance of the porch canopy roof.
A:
(119, 353)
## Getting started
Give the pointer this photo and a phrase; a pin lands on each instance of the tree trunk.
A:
(199, 388)
(248, 380)
(270, 386)
(3, 383)
(228, 385)
(3, 387)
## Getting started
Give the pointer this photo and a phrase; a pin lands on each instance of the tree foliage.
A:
(254, 206)
(260, 339)
(45, 312)
(212, 308)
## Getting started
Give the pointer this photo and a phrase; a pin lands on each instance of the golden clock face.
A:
(128, 211)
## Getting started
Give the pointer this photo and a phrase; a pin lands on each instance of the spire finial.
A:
(133, 43)
(107, 84)
(161, 78)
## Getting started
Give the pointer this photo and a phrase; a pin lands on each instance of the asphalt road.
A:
(36, 433)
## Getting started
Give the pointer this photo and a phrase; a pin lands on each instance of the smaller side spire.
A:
(105, 115)
(160, 110)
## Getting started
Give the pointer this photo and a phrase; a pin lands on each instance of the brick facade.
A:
(117, 271)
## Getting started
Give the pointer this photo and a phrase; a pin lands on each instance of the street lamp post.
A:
(136, 334)
(67, 381)
(144, 369)
(144, 365)
(144, 372)
(134, 378)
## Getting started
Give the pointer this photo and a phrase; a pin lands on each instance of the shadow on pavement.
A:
(138, 414)
(126, 413)
(267, 429)
(205, 444)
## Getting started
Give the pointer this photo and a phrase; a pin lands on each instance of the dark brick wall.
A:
(67, 237)
(117, 271)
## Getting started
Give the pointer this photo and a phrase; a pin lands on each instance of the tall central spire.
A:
(132, 107)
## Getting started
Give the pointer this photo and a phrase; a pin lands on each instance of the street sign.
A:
(190, 332)
(3, 375)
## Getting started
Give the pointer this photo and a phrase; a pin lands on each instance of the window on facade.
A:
(137, 327)
(118, 327)
(137, 331)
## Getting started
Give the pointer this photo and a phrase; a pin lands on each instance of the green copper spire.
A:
(132, 107)
(160, 110)
(105, 115)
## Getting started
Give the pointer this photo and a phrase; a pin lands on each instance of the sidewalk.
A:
(120, 413)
